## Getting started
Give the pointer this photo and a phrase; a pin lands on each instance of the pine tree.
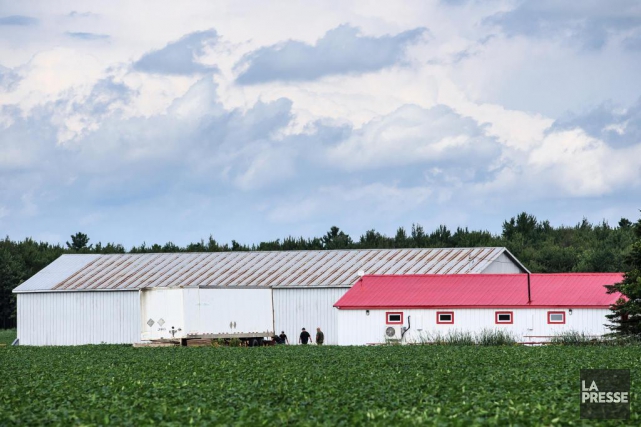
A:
(12, 273)
(626, 312)
(79, 241)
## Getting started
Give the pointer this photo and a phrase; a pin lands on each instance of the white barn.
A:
(128, 298)
(533, 308)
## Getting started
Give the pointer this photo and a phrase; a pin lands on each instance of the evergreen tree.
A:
(79, 241)
(12, 273)
(626, 312)
(336, 239)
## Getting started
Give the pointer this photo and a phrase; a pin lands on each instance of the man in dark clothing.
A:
(283, 338)
(304, 337)
(320, 337)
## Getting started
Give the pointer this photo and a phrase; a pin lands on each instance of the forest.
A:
(541, 247)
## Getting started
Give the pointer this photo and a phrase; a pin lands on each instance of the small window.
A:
(556, 317)
(444, 317)
(395, 318)
(503, 317)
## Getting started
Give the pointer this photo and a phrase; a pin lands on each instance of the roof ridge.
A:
(304, 250)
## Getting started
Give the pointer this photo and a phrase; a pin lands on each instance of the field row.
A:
(446, 385)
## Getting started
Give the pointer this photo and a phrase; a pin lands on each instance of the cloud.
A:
(633, 42)
(180, 57)
(18, 20)
(152, 155)
(412, 135)
(343, 50)
(76, 14)
(197, 141)
(589, 24)
(87, 36)
(618, 127)
(9, 79)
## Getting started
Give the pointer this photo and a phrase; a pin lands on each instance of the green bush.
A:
(487, 337)
(495, 337)
(573, 338)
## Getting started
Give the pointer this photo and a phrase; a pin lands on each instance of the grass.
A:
(303, 385)
(487, 337)
(7, 336)
(573, 338)
(576, 338)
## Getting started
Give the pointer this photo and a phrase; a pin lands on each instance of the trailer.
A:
(197, 313)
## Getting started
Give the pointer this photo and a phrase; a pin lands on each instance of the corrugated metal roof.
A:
(332, 268)
(481, 290)
(56, 272)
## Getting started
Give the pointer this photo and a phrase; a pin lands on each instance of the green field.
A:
(435, 385)
(7, 336)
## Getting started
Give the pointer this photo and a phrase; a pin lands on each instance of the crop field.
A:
(410, 385)
(7, 336)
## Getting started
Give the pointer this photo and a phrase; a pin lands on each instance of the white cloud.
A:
(469, 126)
(413, 135)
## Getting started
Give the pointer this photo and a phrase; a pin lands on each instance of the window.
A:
(556, 317)
(394, 318)
(444, 317)
(503, 317)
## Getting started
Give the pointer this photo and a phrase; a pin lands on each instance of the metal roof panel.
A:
(329, 268)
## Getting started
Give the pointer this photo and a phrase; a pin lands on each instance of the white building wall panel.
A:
(502, 265)
(295, 309)
(77, 318)
(356, 327)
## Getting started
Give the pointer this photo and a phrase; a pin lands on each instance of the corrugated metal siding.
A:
(76, 318)
(357, 328)
(268, 269)
(307, 308)
(502, 265)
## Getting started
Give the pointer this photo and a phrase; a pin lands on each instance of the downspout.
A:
(409, 325)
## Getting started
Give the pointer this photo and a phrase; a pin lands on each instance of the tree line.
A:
(541, 247)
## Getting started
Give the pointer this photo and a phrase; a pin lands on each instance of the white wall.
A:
(307, 308)
(357, 328)
(75, 318)
(503, 265)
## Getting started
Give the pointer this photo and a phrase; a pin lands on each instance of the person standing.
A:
(304, 337)
(283, 338)
(320, 337)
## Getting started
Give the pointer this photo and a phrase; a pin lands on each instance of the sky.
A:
(135, 121)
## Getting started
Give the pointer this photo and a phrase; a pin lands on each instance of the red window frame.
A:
(496, 317)
(387, 321)
(550, 322)
(438, 317)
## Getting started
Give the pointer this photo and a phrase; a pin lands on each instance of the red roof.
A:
(481, 290)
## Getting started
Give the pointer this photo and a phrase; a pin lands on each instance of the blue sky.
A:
(252, 121)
